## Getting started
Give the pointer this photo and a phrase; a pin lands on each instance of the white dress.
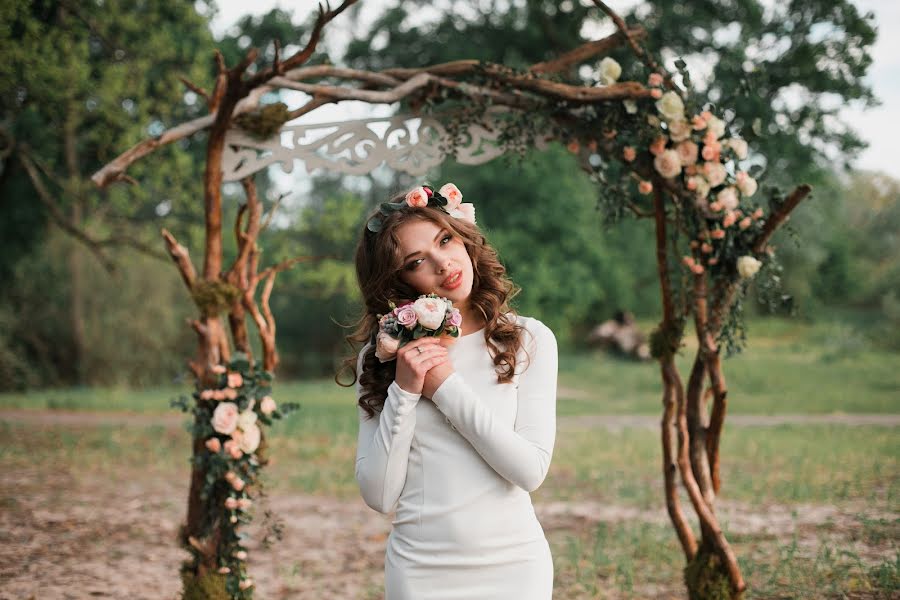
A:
(457, 470)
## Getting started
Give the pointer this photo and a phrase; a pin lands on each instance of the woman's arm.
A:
(520, 455)
(382, 451)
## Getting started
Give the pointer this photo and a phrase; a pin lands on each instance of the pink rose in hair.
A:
(452, 194)
(417, 197)
(406, 316)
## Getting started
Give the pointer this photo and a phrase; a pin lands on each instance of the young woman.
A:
(453, 432)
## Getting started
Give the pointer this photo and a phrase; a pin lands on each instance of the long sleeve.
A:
(520, 455)
(382, 451)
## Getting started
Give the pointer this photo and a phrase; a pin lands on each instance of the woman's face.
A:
(434, 255)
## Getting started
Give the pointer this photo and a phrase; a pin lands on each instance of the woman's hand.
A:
(438, 373)
(412, 365)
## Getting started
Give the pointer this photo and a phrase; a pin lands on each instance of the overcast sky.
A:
(879, 126)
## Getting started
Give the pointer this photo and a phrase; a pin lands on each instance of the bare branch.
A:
(587, 51)
(194, 87)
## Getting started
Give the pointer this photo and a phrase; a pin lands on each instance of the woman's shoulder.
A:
(537, 328)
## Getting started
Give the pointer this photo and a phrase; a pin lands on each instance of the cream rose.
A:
(739, 146)
(668, 164)
(745, 183)
(386, 346)
(267, 405)
(728, 198)
(430, 311)
(246, 419)
(225, 417)
(715, 173)
(610, 70)
(249, 442)
(679, 130)
(716, 126)
(748, 266)
(671, 106)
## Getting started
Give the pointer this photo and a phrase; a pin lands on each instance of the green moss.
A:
(706, 579)
(211, 586)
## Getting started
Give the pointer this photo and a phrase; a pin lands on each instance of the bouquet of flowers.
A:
(430, 314)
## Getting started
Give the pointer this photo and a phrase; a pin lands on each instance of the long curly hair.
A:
(378, 263)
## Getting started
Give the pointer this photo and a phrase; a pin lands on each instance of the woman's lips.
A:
(455, 283)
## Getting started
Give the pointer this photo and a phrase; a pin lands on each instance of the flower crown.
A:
(448, 198)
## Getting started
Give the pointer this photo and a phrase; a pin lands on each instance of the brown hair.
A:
(378, 262)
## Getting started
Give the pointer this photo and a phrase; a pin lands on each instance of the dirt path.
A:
(60, 542)
(613, 422)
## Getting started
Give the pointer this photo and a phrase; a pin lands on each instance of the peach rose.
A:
(698, 123)
(745, 222)
(231, 503)
(225, 417)
(235, 380)
(706, 248)
(687, 152)
(679, 130)
(219, 369)
(267, 405)
(658, 146)
(629, 153)
(230, 476)
(229, 394)
(758, 213)
(417, 197)
(739, 146)
(246, 419)
(233, 449)
(729, 219)
(668, 164)
(728, 198)
(452, 194)
(715, 173)
(711, 151)
(207, 395)
(213, 445)
(465, 211)
(645, 187)
(745, 183)
(717, 234)
(656, 93)
(218, 395)
(233, 519)
(655, 80)
(244, 503)
(713, 260)
(697, 269)
(237, 483)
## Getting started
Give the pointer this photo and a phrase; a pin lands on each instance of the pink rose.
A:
(687, 152)
(213, 445)
(452, 194)
(745, 223)
(231, 503)
(417, 197)
(629, 153)
(668, 164)
(645, 187)
(235, 380)
(455, 317)
(658, 146)
(267, 405)
(716, 206)
(745, 183)
(717, 234)
(655, 80)
(406, 316)
(466, 212)
(691, 184)
(225, 417)
(233, 449)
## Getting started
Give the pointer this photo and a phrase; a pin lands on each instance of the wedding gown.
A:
(457, 470)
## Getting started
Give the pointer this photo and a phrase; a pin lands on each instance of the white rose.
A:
(246, 419)
(671, 106)
(716, 125)
(630, 106)
(249, 442)
(225, 417)
(739, 146)
(267, 405)
(748, 266)
(747, 185)
(386, 346)
(728, 198)
(430, 312)
(715, 173)
(679, 130)
(668, 163)
(610, 70)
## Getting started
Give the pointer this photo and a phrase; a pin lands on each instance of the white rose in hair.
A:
(610, 70)
(747, 266)
(465, 211)
(430, 311)
(671, 106)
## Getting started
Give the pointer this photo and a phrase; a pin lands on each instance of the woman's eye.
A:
(412, 266)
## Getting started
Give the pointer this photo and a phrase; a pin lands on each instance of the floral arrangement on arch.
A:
(233, 413)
